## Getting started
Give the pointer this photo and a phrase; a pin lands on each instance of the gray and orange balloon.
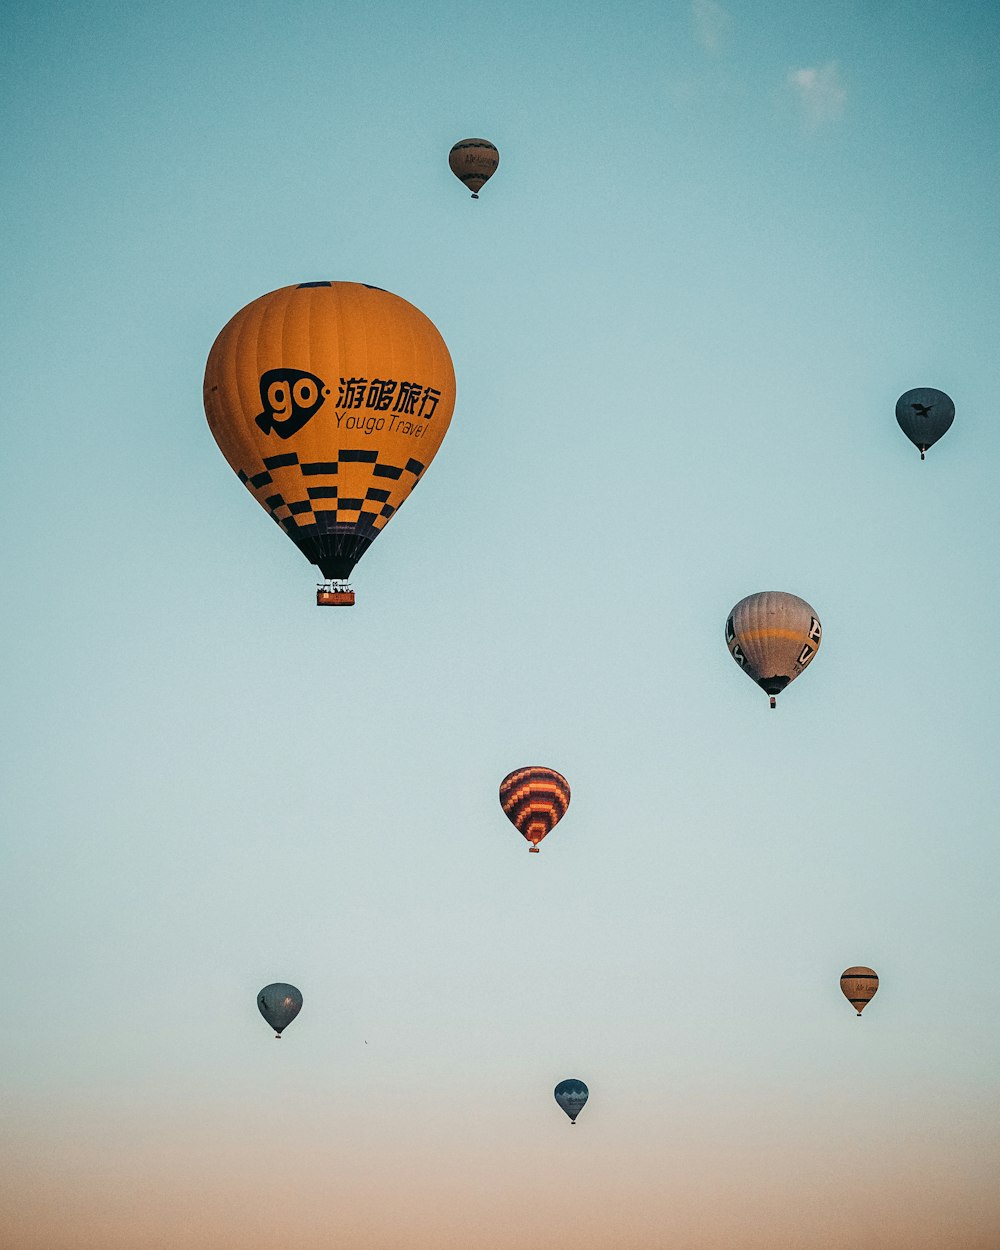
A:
(859, 986)
(534, 800)
(772, 636)
(473, 162)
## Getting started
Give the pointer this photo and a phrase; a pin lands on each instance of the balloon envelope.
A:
(279, 1004)
(534, 800)
(329, 400)
(773, 636)
(859, 985)
(474, 162)
(924, 414)
(572, 1096)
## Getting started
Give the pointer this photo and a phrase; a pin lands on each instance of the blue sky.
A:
(720, 244)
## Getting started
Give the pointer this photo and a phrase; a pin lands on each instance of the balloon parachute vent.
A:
(334, 595)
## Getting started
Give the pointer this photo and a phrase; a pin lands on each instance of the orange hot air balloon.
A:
(534, 800)
(474, 162)
(329, 400)
(859, 986)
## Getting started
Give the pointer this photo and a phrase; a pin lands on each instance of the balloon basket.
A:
(774, 702)
(532, 850)
(334, 595)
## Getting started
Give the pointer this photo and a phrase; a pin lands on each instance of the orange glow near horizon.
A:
(724, 1183)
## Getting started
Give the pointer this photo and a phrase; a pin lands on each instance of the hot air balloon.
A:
(859, 986)
(474, 162)
(534, 800)
(924, 415)
(279, 1005)
(772, 636)
(572, 1096)
(329, 400)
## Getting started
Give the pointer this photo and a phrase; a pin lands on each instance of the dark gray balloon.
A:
(572, 1096)
(279, 1005)
(924, 414)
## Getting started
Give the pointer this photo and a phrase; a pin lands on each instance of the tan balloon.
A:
(859, 986)
(474, 162)
(773, 636)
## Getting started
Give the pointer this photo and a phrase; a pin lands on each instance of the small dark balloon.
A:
(279, 1004)
(572, 1096)
(924, 414)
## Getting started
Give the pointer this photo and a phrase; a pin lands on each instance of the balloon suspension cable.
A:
(774, 702)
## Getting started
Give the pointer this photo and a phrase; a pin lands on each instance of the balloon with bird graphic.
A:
(329, 400)
(534, 800)
(859, 986)
(773, 636)
(924, 414)
(474, 162)
(279, 1004)
(572, 1096)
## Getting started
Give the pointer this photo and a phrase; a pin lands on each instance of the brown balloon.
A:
(859, 986)
(474, 162)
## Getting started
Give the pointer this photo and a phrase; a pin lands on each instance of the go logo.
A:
(290, 397)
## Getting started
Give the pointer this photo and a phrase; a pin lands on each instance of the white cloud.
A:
(820, 92)
(710, 23)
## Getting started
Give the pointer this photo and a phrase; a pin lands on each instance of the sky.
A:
(722, 240)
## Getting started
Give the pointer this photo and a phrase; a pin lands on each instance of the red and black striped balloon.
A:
(534, 800)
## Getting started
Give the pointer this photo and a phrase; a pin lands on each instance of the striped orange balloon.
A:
(534, 800)
(859, 986)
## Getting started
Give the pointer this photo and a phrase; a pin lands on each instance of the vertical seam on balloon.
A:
(365, 301)
(341, 291)
(251, 321)
(286, 308)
